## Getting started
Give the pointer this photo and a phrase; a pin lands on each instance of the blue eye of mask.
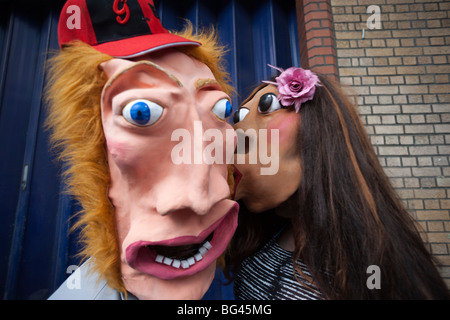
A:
(222, 109)
(142, 112)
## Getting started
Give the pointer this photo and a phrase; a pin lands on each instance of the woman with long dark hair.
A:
(328, 224)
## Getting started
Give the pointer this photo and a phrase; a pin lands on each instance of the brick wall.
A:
(316, 38)
(400, 73)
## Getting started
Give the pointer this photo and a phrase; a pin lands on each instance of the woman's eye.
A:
(268, 103)
(240, 114)
(142, 112)
(222, 109)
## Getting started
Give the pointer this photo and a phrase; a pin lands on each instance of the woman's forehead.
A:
(256, 95)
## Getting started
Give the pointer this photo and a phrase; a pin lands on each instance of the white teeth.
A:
(167, 261)
(186, 263)
(207, 245)
(202, 251)
(198, 256)
(191, 261)
(176, 263)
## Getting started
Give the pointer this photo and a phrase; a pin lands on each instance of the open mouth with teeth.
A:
(186, 255)
(182, 256)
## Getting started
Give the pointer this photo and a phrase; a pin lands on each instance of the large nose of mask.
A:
(195, 183)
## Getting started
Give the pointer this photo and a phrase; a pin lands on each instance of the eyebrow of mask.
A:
(148, 63)
(200, 83)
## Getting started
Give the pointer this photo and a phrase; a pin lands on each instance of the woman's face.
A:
(277, 125)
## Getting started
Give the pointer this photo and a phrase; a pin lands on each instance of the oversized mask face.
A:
(173, 213)
(263, 116)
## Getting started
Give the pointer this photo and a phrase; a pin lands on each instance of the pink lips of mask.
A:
(141, 257)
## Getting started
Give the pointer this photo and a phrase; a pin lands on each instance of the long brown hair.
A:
(347, 216)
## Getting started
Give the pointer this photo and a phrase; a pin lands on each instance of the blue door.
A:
(36, 246)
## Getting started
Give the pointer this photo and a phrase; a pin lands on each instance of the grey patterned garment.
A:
(268, 275)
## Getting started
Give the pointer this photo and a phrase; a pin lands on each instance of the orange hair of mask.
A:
(74, 119)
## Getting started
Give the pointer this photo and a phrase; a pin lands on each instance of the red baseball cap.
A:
(119, 28)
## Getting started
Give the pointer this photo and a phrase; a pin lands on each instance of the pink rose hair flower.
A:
(295, 86)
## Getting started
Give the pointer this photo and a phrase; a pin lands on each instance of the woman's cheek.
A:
(287, 125)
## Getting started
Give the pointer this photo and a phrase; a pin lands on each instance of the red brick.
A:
(316, 60)
(319, 33)
(317, 15)
(319, 51)
(330, 60)
(313, 24)
(316, 36)
(326, 70)
(310, 7)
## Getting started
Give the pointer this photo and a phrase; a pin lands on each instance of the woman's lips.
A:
(142, 255)
(237, 178)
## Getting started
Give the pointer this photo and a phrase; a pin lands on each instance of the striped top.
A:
(268, 275)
